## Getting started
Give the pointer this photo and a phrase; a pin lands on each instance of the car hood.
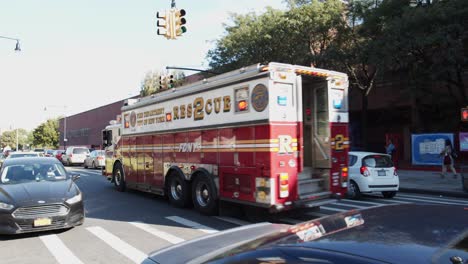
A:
(202, 249)
(47, 191)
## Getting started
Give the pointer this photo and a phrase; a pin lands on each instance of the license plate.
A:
(381, 173)
(42, 222)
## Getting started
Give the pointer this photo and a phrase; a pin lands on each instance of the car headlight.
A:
(74, 199)
(5, 206)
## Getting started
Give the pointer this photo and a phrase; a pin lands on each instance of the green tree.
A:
(47, 134)
(8, 138)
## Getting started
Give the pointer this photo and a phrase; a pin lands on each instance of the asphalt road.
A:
(126, 227)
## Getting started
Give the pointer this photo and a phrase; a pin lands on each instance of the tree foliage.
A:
(8, 138)
(47, 134)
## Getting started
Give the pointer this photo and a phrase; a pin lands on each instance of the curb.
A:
(460, 194)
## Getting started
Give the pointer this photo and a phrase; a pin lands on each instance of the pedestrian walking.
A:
(448, 155)
(390, 148)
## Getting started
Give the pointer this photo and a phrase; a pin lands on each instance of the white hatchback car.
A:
(372, 172)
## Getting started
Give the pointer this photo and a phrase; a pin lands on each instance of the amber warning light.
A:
(242, 105)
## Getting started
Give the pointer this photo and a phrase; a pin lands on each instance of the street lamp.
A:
(64, 124)
(17, 47)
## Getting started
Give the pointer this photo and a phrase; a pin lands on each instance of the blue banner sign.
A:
(426, 148)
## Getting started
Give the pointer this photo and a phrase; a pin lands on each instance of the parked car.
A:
(96, 159)
(38, 194)
(372, 172)
(58, 154)
(2, 159)
(75, 156)
(20, 154)
(405, 233)
(49, 153)
(40, 151)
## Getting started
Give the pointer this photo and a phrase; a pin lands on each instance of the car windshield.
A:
(23, 173)
(80, 151)
(22, 155)
(377, 161)
(100, 153)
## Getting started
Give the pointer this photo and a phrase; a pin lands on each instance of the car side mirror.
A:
(75, 177)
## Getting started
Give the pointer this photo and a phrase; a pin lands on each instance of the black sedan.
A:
(38, 194)
(388, 234)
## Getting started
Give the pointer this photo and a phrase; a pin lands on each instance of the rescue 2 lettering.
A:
(201, 106)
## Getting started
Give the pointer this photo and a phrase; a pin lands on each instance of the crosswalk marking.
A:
(333, 209)
(352, 205)
(360, 202)
(394, 201)
(424, 201)
(118, 244)
(192, 224)
(161, 234)
(62, 254)
(233, 220)
(434, 198)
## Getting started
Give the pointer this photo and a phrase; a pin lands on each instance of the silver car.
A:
(97, 159)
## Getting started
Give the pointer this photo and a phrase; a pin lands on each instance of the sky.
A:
(79, 55)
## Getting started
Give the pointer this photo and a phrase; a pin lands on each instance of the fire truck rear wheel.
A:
(204, 195)
(178, 190)
(118, 176)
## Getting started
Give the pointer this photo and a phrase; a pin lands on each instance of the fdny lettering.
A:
(189, 147)
(285, 144)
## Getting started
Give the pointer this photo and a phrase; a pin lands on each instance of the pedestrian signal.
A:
(464, 114)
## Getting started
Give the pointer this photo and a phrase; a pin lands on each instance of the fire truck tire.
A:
(118, 177)
(204, 196)
(178, 190)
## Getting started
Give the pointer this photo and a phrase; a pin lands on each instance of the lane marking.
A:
(161, 234)
(58, 249)
(393, 201)
(192, 224)
(232, 220)
(333, 209)
(359, 201)
(425, 201)
(118, 244)
(353, 206)
(434, 198)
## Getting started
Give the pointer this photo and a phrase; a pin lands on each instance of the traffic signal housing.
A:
(164, 23)
(179, 22)
(464, 114)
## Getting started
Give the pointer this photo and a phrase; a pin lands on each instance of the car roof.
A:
(30, 160)
(365, 153)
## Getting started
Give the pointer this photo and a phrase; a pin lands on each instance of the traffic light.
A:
(164, 24)
(162, 82)
(170, 81)
(179, 21)
(464, 114)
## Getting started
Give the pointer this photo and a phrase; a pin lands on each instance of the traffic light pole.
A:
(189, 69)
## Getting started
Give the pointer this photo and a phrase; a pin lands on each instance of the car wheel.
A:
(204, 196)
(178, 190)
(353, 190)
(118, 177)
(84, 165)
(389, 194)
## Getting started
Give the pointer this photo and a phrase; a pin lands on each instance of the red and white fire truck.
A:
(272, 136)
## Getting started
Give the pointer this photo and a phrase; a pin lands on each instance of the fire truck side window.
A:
(109, 138)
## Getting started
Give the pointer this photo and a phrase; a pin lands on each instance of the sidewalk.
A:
(430, 182)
